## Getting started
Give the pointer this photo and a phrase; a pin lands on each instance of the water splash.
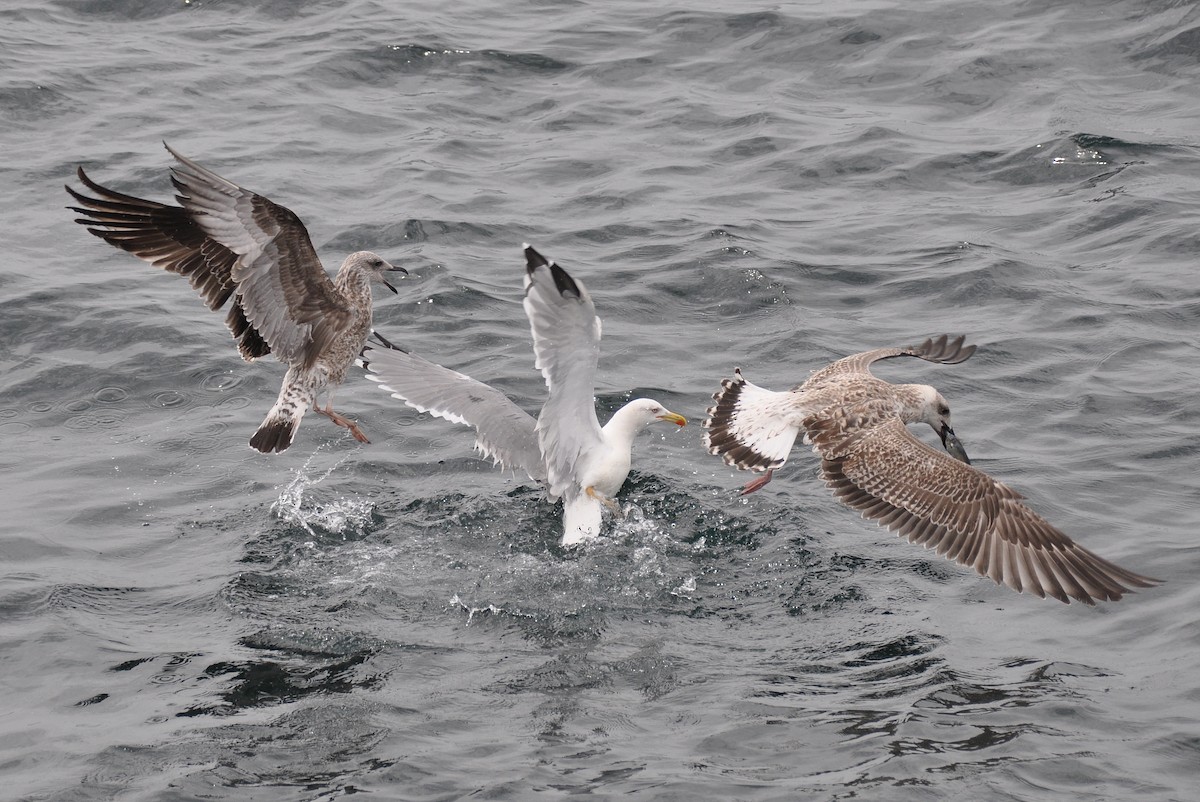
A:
(489, 609)
(346, 516)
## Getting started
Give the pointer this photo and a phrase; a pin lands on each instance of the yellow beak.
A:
(671, 417)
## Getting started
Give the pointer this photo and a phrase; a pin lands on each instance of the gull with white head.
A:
(858, 424)
(235, 245)
(579, 461)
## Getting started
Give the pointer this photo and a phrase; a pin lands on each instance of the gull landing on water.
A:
(233, 244)
(565, 447)
(857, 423)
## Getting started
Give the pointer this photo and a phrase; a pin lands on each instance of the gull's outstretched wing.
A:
(942, 350)
(503, 431)
(168, 237)
(944, 504)
(285, 292)
(566, 347)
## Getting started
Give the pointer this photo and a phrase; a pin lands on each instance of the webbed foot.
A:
(758, 483)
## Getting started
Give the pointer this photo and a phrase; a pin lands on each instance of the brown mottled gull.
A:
(872, 462)
(565, 447)
(233, 244)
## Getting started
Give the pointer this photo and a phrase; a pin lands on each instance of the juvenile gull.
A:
(233, 244)
(566, 448)
(871, 461)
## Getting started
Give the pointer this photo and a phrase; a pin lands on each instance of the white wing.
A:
(504, 432)
(566, 348)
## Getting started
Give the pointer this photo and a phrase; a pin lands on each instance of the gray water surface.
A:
(764, 186)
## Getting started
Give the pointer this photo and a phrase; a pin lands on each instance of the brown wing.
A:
(932, 499)
(942, 350)
(167, 237)
(284, 290)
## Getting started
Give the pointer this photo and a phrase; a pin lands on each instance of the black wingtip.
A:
(385, 342)
(533, 259)
(563, 282)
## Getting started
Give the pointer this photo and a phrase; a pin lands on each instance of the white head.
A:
(933, 409)
(641, 412)
(373, 265)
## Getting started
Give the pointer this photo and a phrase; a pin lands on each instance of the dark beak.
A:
(393, 269)
(953, 445)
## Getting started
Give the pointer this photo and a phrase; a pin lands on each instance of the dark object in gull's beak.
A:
(393, 269)
(953, 445)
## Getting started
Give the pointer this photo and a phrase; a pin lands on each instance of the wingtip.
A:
(533, 259)
(87, 181)
(385, 342)
(563, 282)
(943, 349)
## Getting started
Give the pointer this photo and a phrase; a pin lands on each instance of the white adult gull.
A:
(565, 447)
(235, 245)
(857, 423)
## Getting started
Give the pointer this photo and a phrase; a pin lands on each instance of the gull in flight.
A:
(565, 447)
(235, 245)
(858, 424)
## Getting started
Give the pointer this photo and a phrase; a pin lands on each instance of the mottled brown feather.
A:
(168, 238)
(936, 501)
(872, 463)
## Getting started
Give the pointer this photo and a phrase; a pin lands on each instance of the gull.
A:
(858, 424)
(565, 448)
(235, 245)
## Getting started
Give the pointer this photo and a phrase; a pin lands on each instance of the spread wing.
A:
(932, 499)
(943, 350)
(504, 432)
(168, 237)
(285, 292)
(566, 348)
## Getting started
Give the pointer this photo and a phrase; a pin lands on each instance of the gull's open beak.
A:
(393, 269)
(953, 445)
(671, 417)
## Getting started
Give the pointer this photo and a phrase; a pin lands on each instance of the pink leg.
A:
(343, 422)
(608, 502)
(758, 484)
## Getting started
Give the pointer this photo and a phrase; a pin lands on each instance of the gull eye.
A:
(943, 410)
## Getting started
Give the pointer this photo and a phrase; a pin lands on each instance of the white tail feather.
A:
(581, 518)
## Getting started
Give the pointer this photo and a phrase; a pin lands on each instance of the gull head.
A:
(645, 411)
(936, 412)
(374, 266)
(657, 411)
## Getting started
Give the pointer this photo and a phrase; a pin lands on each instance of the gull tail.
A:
(581, 518)
(750, 427)
(279, 427)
